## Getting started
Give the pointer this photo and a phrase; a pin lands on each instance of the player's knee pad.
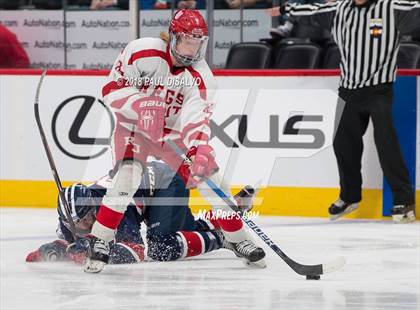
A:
(165, 247)
(124, 185)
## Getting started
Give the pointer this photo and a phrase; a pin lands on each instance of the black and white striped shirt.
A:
(367, 36)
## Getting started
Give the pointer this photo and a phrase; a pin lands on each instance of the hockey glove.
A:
(203, 165)
(50, 252)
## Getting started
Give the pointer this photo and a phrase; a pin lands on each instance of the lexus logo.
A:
(82, 127)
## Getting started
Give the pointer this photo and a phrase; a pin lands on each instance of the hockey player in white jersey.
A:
(159, 91)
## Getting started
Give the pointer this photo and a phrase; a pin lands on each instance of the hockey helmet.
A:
(82, 206)
(188, 36)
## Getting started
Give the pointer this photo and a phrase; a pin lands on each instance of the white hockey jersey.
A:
(144, 68)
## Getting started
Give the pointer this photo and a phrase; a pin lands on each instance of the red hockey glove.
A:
(203, 164)
(34, 256)
(151, 116)
(50, 252)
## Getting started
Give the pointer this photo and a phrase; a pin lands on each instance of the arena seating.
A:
(409, 56)
(331, 57)
(297, 56)
(249, 56)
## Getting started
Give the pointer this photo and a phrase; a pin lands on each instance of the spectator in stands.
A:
(45, 4)
(124, 4)
(9, 4)
(236, 4)
(149, 4)
(40, 4)
(12, 55)
(191, 4)
(286, 22)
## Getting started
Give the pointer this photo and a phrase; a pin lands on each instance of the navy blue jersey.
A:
(156, 182)
(128, 230)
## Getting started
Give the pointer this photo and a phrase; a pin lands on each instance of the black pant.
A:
(373, 102)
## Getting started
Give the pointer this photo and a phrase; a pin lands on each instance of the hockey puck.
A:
(309, 277)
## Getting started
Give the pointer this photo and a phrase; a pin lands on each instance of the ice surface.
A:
(382, 271)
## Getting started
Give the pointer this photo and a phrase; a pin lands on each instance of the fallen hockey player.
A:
(168, 224)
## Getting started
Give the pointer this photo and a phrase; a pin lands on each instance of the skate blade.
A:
(93, 266)
(347, 211)
(404, 218)
(257, 265)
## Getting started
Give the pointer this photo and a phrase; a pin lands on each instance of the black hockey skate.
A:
(97, 255)
(403, 213)
(341, 208)
(247, 250)
(253, 255)
(245, 198)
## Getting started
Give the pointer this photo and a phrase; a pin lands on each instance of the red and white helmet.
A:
(188, 36)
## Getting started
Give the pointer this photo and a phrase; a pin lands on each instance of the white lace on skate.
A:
(95, 266)
(242, 250)
(101, 246)
(245, 247)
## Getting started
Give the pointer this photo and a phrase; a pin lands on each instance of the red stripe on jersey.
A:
(117, 104)
(194, 245)
(191, 126)
(108, 217)
(113, 86)
(198, 135)
(230, 225)
(147, 53)
(167, 131)
(201, 86)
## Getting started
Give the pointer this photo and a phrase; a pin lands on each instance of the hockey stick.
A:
(310, 271)
(51, 160)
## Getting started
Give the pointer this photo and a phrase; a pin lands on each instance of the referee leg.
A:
(388, 147)
(348, 146)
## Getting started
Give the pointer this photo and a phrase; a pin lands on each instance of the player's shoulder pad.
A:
(149, 43)
(144, 44)
(140, 53)
(203, 69)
